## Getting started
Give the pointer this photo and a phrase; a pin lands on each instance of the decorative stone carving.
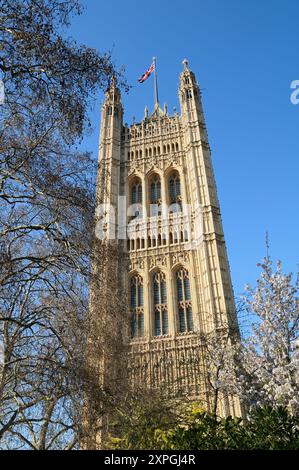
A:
(161, 142)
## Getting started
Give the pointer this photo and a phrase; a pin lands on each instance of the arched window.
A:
(155, 195)
(137, 313)
(175, 191)
(155, 190)
(184, 301)
(160, 304)
(136, 192)
(136, 196)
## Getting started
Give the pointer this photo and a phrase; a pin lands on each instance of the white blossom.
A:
(263, 368)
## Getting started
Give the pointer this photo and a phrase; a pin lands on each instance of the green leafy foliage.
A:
(265, 428)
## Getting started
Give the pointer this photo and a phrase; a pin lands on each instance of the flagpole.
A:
(156, 83)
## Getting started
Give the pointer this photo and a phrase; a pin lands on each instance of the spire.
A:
(186, 64)
(187, 77)
(113, 81)
(113, 94)
(190, 99)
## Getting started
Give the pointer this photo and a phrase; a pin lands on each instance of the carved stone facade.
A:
(177, 275)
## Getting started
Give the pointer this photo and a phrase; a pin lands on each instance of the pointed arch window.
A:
(175, 192)
(160, 304)
(136, 196)
(155, 195)
(136, 193)
(137, 312)
(155, 190)
(184, 303)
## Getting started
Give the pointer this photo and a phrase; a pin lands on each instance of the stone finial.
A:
(186, 64)
(165, 108)
(113, 81)
(146, 112)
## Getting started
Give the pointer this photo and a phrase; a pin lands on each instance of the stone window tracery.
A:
(175, 197)
(136, 196)
(160, 304)
(137, 312)
(155, 195)
(137, 192)
(184, 303)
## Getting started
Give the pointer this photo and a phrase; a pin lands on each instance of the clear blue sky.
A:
(245, 55)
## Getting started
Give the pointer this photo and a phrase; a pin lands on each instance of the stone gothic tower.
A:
(157, 184)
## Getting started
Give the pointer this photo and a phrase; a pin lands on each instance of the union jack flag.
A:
(147, 73)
